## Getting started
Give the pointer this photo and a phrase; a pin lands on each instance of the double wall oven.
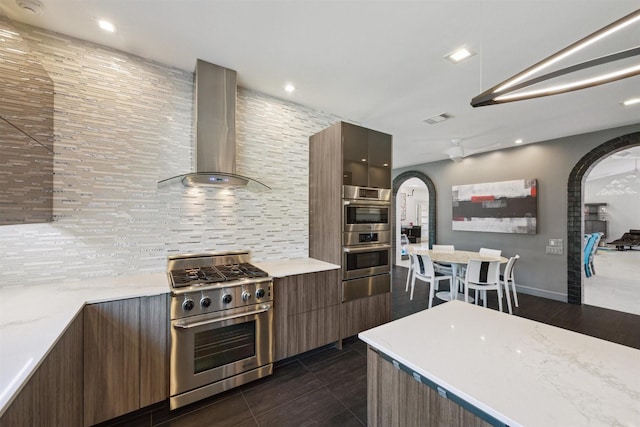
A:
(221, 324)
(366, 243)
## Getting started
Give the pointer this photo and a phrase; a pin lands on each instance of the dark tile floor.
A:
(328, 387)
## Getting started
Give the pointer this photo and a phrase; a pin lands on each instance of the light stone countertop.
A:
(295, 266)
(33, 318)
(521, 372)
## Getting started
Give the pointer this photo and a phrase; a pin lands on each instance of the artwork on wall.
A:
(403, 206)
(496, 207)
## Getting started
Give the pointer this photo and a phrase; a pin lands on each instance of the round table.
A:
(456, 259)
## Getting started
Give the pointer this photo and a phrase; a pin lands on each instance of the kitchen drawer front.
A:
(366, 287)
(364, 313)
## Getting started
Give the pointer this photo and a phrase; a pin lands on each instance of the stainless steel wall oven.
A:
(221, 325)
(366, 251)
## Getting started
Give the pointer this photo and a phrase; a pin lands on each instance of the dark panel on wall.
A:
(26, 133)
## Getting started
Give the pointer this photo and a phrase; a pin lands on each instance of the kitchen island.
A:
(460, 364)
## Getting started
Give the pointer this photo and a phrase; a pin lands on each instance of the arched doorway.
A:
(574, 210)
(397, 182)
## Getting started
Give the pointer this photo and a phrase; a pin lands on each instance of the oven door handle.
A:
(367, 248)
(264, 309)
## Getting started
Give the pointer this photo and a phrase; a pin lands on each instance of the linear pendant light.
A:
(506, 90)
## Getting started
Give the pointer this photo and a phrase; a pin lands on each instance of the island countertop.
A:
(518, 371)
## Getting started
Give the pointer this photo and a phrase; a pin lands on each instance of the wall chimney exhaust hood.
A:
(215, 125)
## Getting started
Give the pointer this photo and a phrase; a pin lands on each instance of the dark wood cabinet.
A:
(112, 359)
(307, 310)
(345, 154)
(366, 157)
(53, 395)
(125, 356)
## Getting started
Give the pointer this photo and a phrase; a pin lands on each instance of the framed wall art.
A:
(496, 207)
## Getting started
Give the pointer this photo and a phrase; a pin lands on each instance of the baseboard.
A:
(557, 296)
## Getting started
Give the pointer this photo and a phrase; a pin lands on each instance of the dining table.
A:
(457, 259)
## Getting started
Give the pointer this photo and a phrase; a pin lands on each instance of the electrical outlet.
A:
(554, 250)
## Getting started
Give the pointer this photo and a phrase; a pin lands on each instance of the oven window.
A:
(357, 261)
(221, 346)
(367, 215)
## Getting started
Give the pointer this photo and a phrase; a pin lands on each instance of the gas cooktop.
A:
(205, 269)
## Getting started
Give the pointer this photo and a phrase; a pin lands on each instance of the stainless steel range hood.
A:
(215, 125)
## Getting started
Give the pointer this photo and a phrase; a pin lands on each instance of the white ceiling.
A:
(377, 63)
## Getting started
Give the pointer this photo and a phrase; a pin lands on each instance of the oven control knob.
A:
(187, 305)
(246, 295)
(226, 298)
(260, 293)
(205, 302)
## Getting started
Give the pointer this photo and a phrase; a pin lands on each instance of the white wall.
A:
(623, 211)
(121, 123)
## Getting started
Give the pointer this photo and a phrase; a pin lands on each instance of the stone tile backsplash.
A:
(122, 123)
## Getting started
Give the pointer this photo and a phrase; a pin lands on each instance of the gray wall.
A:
(551, 163)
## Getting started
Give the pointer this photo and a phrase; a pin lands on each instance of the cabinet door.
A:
(111, 359)
(154, 351)
(53, 395)
(307, 312)
(355, 155)
(364, 313)
(379, 146)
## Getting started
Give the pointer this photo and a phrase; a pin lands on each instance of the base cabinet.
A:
(364, 313)
(125, 356)
(307, 309)
(53, 395)
(395, 398)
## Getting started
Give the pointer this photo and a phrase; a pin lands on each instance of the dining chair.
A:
(483, 276)
(423, 270)
(509, 278)
(443, 267)
(410, 272)
(490, 252)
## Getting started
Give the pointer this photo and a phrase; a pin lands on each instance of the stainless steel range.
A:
(221, 324)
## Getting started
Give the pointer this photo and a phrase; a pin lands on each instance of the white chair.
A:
(490, 252)
(509, 278)
(423, 270)
(410, 272)
(483, 276)
(442, 267)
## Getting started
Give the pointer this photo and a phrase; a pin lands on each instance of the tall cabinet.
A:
(346, 154)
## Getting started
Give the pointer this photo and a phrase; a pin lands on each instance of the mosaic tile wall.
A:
(121, 123)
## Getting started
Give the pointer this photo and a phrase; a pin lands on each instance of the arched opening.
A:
(397, 183)
(575, 209)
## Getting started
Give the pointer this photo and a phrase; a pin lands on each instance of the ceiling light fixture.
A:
(518, 141)
(459, 55)
(289, 88)
(506, 91)
(631, 101)
(106, 25)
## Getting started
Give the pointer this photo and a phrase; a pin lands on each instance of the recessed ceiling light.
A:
(459, 55)
(518, 141)
(631, 101)
(289, 88)
(106, 25)
(438, 118)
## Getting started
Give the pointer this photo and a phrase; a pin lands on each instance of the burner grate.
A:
(191, 276)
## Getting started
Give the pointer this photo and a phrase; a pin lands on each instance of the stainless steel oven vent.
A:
(215, 125)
